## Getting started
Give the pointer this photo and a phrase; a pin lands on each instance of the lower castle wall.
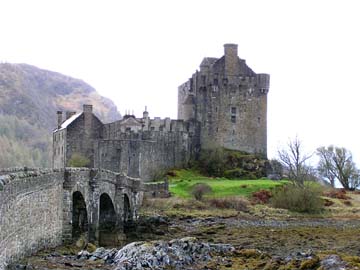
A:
(145, 158)
(30, 213)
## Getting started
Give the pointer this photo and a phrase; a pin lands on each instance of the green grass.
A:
(182, 184)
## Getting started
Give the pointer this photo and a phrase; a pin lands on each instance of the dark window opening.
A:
(203, 79)
(152, 128)
(216, 82)
(233, 119)
(259, 120)
(128, 129)
(225, 81)
(233, 110)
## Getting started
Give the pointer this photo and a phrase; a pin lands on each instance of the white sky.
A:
(138, 52)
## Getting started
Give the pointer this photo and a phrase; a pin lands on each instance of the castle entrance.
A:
(79, 216)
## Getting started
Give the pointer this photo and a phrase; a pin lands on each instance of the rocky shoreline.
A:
(218, 243)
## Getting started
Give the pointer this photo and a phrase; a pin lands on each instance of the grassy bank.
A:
(182, 183)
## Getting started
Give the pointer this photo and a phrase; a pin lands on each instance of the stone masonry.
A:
(42, 208)
(224, 104)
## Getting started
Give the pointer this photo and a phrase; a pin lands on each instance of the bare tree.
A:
(295, 162)
(336, 163)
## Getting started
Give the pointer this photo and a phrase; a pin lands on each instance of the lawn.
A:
(181, 185)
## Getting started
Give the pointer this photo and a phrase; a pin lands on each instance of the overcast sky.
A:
(138, 52)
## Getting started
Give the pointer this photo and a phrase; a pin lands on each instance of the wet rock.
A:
(177, 253)
(333, 262)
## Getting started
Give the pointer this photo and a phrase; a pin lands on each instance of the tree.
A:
(295, 162)
(200, 189)
(336, 163)
(78, 160)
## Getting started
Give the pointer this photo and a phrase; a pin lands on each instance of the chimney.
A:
(231, 59)
(87, 108)
(230, 50)
(69, 114)
(87, 119)
(59, 118)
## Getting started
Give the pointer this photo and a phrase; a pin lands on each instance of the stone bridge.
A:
(41, 208)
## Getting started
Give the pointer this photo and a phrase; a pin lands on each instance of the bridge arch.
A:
(80, 222)
(107, 215)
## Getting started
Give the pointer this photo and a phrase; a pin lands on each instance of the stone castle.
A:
(222, 105)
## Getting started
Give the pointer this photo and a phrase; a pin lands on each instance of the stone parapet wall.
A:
(156, 190)
(30, 212)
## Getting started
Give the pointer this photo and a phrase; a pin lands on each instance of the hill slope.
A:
(29, 99)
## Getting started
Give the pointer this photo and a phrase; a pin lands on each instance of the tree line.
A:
(335, 164)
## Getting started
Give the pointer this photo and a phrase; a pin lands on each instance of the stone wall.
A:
(30, 212)
(146, 154)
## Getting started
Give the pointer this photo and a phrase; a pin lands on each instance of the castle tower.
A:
(230, 101)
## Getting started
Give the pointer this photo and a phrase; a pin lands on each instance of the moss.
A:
(312, 263)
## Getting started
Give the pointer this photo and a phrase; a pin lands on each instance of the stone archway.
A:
(108, 231)
(107, 217)
(80, 223)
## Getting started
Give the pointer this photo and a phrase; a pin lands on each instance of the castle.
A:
(224, 104)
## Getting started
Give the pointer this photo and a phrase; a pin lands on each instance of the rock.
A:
(90, 247)
(177, 253)
(333, 262)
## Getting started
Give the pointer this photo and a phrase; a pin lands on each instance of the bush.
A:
(199, 190)
(261, 197)
(235, 203)
(239, 173)
(212, 162)
(337, 194)
(304, 199)
(78, 160)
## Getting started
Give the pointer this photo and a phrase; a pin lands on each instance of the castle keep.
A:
(224, 104)
(229, 101)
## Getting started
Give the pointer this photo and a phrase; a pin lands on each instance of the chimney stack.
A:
(231, 59)
(59, 118)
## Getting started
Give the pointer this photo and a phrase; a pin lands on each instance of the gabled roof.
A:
(130, 121)
(67, 122)
(208, 61)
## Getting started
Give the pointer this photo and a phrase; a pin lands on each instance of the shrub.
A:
(337, 194)
(199, 190)
(236, 203)
(261, 197)
(328, 202)
(212, 162)
(239, 173)
(78, 160)
(305, 199)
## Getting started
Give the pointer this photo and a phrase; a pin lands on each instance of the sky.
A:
(138, 52)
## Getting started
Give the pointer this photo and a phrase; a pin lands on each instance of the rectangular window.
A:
(233, 114)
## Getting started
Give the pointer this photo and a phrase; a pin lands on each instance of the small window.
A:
(216, 82)
(128, 129)
(203, 79)
(215, 109)
(152, 128)
(259, 120)
(233, 114)
(225, 81)
(161, 128)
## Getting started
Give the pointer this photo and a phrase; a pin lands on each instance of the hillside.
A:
(29, 99)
